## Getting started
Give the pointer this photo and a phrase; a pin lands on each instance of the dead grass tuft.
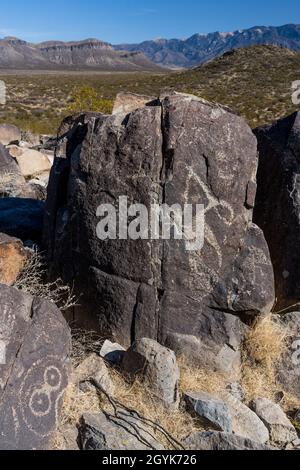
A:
(32, 280)
(266, 342)
(264, 347)
(200, 380)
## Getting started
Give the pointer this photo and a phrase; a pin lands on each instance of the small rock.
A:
(125, 103)
(94, 369)
(236, 390)
(212, 411)
(280, 428)
(32, 162)
(245, 422)
(158, 368)
(112, 352)
(9, 133)
(103, 432)
(13, 257)
(214, 440)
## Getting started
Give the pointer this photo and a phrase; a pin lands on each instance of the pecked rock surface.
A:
(179, 150)
(34, 368)
(277, 208)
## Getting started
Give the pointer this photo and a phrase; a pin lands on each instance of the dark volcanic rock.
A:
(182, 150)
(22, 218)
(34, 367)
(109, 432)
(213, 440)
(277, 209)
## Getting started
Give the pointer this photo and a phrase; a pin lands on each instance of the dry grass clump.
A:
(263, 349)
(84, 343)
(200, 380)
(266, 342)
(32, 280)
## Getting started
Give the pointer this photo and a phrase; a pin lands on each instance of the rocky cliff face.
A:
(90, 53)
(175, 151)
(201, 48)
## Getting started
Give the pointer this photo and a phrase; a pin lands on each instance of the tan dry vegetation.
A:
(33, 280)
(264, 347)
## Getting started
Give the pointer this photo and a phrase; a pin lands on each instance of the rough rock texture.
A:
(105, 432)
(32, 163)
(93, 369)
(158, 368)
(125, 103)
(9, 134)
(181, 150)
(68, 437)
(112, 352)
(11, 179)
(280, 428)
(289, 367)
(217, 346)
(22, 218)
(277, 209)
(33, 369)
(221, 441)
(210, 410)
(13, 257)
(245, 422)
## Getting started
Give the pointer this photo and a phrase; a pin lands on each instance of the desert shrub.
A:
(88, 99)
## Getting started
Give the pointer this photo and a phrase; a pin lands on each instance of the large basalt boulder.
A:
(34, 368)
(179, 150)
(277, 208)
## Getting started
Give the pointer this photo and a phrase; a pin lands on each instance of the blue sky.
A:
(118, 21)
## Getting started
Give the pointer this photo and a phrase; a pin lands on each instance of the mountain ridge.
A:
(200, 48)
(86, 54)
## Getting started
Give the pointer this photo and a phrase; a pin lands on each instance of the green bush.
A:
(88, 99)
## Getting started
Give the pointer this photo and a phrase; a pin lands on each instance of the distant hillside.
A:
(255, 82)
(200, 48)
(87, 54)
